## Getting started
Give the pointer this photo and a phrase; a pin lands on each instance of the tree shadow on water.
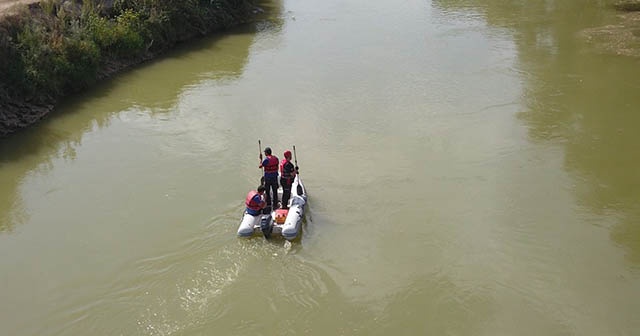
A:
(153, 87)
(580, 99)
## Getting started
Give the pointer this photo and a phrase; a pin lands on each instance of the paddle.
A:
(260, 148)
(299, 187)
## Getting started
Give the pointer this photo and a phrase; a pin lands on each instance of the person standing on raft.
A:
(287, 174)
(270, 166)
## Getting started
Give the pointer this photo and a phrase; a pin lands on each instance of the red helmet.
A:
(287, 154)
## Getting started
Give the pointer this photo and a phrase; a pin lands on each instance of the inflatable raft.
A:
(279, 222)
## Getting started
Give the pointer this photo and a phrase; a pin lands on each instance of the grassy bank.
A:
(54, 48)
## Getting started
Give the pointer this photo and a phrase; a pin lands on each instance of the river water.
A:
(473, 169)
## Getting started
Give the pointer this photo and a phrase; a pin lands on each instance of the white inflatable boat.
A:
(279, 222)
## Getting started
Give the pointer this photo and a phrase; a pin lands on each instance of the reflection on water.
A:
(153, 87)
(146, 89)
(587, 103)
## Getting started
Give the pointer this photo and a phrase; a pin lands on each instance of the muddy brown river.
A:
(473, 168)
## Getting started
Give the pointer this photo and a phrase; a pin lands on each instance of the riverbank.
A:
(621, 38)
(54, 48)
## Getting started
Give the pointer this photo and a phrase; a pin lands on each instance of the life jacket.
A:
(283, 173)
(251, 202)
(272, 165)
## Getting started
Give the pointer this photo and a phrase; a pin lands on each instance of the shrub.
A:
(122, 37)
